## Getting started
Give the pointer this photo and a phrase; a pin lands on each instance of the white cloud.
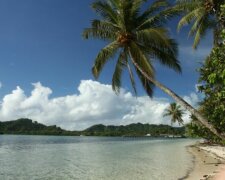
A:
(1, 85)
(193, 99)
(95, 103)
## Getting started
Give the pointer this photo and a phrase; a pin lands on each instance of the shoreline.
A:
(208, 161)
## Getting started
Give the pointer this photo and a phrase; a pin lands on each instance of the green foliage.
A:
(175, 112)
(212, 79)
(195, 129)
(134, 130)
(132, 35)
(202, 15)
(29, 127)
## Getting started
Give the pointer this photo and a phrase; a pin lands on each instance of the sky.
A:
(45, 69)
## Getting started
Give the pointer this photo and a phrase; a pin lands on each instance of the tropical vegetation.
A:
(29, 127)
(135, 39)
(175, 112)
(137, 129)
(202, 15)
(212, 80)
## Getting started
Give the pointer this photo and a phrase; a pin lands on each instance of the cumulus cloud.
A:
(95, 103)
(193, 99)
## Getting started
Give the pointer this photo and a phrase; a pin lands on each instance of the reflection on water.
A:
(92, 158)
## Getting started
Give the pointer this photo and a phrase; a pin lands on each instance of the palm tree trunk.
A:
(180, 101)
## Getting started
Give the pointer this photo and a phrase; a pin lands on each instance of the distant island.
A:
(28, 127)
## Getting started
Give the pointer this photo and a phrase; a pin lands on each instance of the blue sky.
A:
(40, 41)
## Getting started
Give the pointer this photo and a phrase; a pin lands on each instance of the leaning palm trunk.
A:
(179, 100)
(140, 36)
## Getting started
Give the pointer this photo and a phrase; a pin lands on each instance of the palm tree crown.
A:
(175, 112)
(132, 34)
(202, 15)
(135, 39)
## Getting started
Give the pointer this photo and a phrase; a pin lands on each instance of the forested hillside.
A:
(29, 127)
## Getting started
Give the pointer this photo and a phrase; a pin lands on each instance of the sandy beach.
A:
(209, 162)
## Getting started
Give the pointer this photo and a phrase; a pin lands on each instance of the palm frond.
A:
(153, 35)
(97, 33)
(141, 36)
(140, 58)
(103, 56)
(105, 11)
(185, 6)
(166, 114)
(166, 57)
(188, 18)
(106, 25)
(201, 15)
(157, 44)
(156, 6)
(146, 84)
(157, 19)
(132, 78)
(116, 80)
(201, 30)
(136, 4)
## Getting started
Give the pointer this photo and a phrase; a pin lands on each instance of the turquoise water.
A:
(93, 158)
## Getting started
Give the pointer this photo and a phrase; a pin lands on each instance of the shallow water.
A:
(93, 158)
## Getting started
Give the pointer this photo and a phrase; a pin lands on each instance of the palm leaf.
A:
(116, 80)
(103, 56)
(139, 36)
(105, 11)
(97, 33)
(201, 29)
(132, 78)
(140, 58)
(187, 19)
(155, 7)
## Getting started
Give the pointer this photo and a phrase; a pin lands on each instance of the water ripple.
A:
(92, 158)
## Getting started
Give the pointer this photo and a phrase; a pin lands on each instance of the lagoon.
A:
(93, 158)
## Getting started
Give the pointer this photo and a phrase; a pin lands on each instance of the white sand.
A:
(219, 152)
(209, 162)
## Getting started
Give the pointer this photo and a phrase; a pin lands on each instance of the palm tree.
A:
(202, 15)
(193, 118)
(134, 40)
(175, 112)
